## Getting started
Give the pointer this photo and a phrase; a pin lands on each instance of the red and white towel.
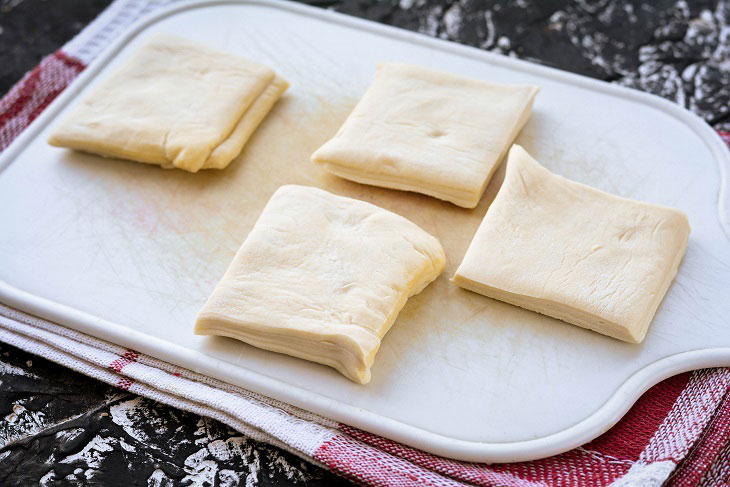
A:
(677, 434)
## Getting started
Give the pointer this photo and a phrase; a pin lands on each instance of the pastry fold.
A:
(434, 133)
(573, 252)
(322, 277)
(176, 104)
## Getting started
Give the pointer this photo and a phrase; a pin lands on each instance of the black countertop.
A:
(58, 427)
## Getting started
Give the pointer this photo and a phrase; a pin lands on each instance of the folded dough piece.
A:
(322, 277)
(174, 103)
(574, 253)
(430, 132)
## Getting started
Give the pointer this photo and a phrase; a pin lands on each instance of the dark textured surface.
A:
(676, 49)
(32, 29)
(59, 428)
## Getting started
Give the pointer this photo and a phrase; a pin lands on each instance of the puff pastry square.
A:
(322, 277)
(573, 252)
(434, 133)
(176, 104)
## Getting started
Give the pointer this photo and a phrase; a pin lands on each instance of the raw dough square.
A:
(322, 277)
(572, 252)
(174, 103)
(430, 132)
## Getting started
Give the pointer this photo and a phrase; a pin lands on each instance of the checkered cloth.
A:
(677, 433)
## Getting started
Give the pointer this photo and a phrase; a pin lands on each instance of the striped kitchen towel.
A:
(677, 433)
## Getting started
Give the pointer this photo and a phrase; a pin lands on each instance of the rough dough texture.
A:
(430, 132)
(574, 253)
(322, 277)
(174, 103)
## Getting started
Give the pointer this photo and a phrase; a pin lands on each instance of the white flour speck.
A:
(200, 470)
(93, 452)
(254, 466)
(453, 19)
(490, 35)
(228, 478)
(68, 434)
(503, 42)
(430, 25)
(158, 479)
(290, 471)
(21, 422)
(7, 369)
(126, 446)
(50, 476)
(127, 414)
(219, 450)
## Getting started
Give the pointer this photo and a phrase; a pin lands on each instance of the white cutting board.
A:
(129, 252)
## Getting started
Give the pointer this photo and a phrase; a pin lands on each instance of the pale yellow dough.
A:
(176, 104)
(322, 277)
(572, 252)
(434, 133)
